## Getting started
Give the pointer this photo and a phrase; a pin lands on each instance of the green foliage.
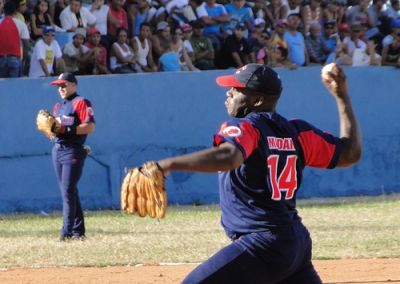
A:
(351, 229)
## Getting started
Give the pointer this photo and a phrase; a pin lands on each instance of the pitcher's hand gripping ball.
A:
(48, 124)
(143, 191)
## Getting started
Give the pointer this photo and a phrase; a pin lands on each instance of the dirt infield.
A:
(331, 271)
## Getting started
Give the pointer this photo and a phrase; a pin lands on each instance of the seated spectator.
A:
(187, 34)
(359, 14)
(21, 13)
(362, 54)
(295, 40)
(75, 16)
(202, 47)
(280, 30)
(330, 40)
(311, 13)
(343, 31)
(238, 14)
(169, 60)
(376, 11)
(236, 52)
(395, 29)
(279, 58)
(254, 40)
(260, 11)
(99, 63)
(177, 46)
(293, 7)
(76, 55)
(265, 53)
(41, 18)
(315, 46)
(332, 12)
(122, 57)
(117, 18)
(13, 32)
(46, 59)
(143, 49)
(391, 53)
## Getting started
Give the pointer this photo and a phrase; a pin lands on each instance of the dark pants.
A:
(68, 164)
(10, 66)
(281, 256)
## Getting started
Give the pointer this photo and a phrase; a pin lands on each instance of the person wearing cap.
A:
(76, 116)
(296, 45)
(260, 156)
(204, 54)
(76, 55)
(98, 65)
(236, 52)
(46, 59)
(13, 34)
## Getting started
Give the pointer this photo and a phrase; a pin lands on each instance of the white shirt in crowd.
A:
(68, 18)
(46, 52)
(101, 18)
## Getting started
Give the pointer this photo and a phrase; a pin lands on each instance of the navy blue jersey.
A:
(73, 111)
(262, 192)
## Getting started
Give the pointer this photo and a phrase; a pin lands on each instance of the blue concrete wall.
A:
(151, 116)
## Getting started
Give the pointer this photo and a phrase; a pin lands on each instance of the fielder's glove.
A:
(143, 191)
(48, 124)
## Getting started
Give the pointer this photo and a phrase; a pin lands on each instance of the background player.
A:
(76, 117)
(260, 157)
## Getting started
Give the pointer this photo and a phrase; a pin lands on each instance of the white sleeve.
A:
(65, 19)
(40, 50)
(90, 18)
(22, 29)
(201, 11)
(57, 49)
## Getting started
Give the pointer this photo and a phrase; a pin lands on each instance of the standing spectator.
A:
(76, 55)
(295, 40)
(391, 52)
(254, 39)
(236, 52)
(144, 13)
(56, 9)
(100, 11)
(239, 14)
(214, 22)
(203, 48)
(143, 49)
(122, 57)
(161, 39)
(314, 45)
(311, 13)
(40, 18)
(278, 11)
(76, 116)
(99, 63)
(75, 16)
(330, 41)
(46, 59)
(13, 32)
(117, 17)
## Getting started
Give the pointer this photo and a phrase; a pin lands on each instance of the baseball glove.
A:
(47, 123)
(143, 191)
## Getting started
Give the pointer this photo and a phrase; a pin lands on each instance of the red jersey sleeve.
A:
(84, 111)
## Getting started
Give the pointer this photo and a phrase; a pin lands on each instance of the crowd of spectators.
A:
(133, 36)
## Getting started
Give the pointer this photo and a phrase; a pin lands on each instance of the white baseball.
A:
(327, 68)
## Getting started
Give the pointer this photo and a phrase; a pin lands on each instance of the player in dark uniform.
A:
(260, 157)
(75, 114)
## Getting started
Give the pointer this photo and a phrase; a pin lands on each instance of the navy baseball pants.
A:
(68, 164)
(281, 255)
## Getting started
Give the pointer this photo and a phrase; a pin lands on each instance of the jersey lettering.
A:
(281, 144)
(287, 179)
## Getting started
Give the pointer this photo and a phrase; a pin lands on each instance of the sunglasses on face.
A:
(62, 86)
